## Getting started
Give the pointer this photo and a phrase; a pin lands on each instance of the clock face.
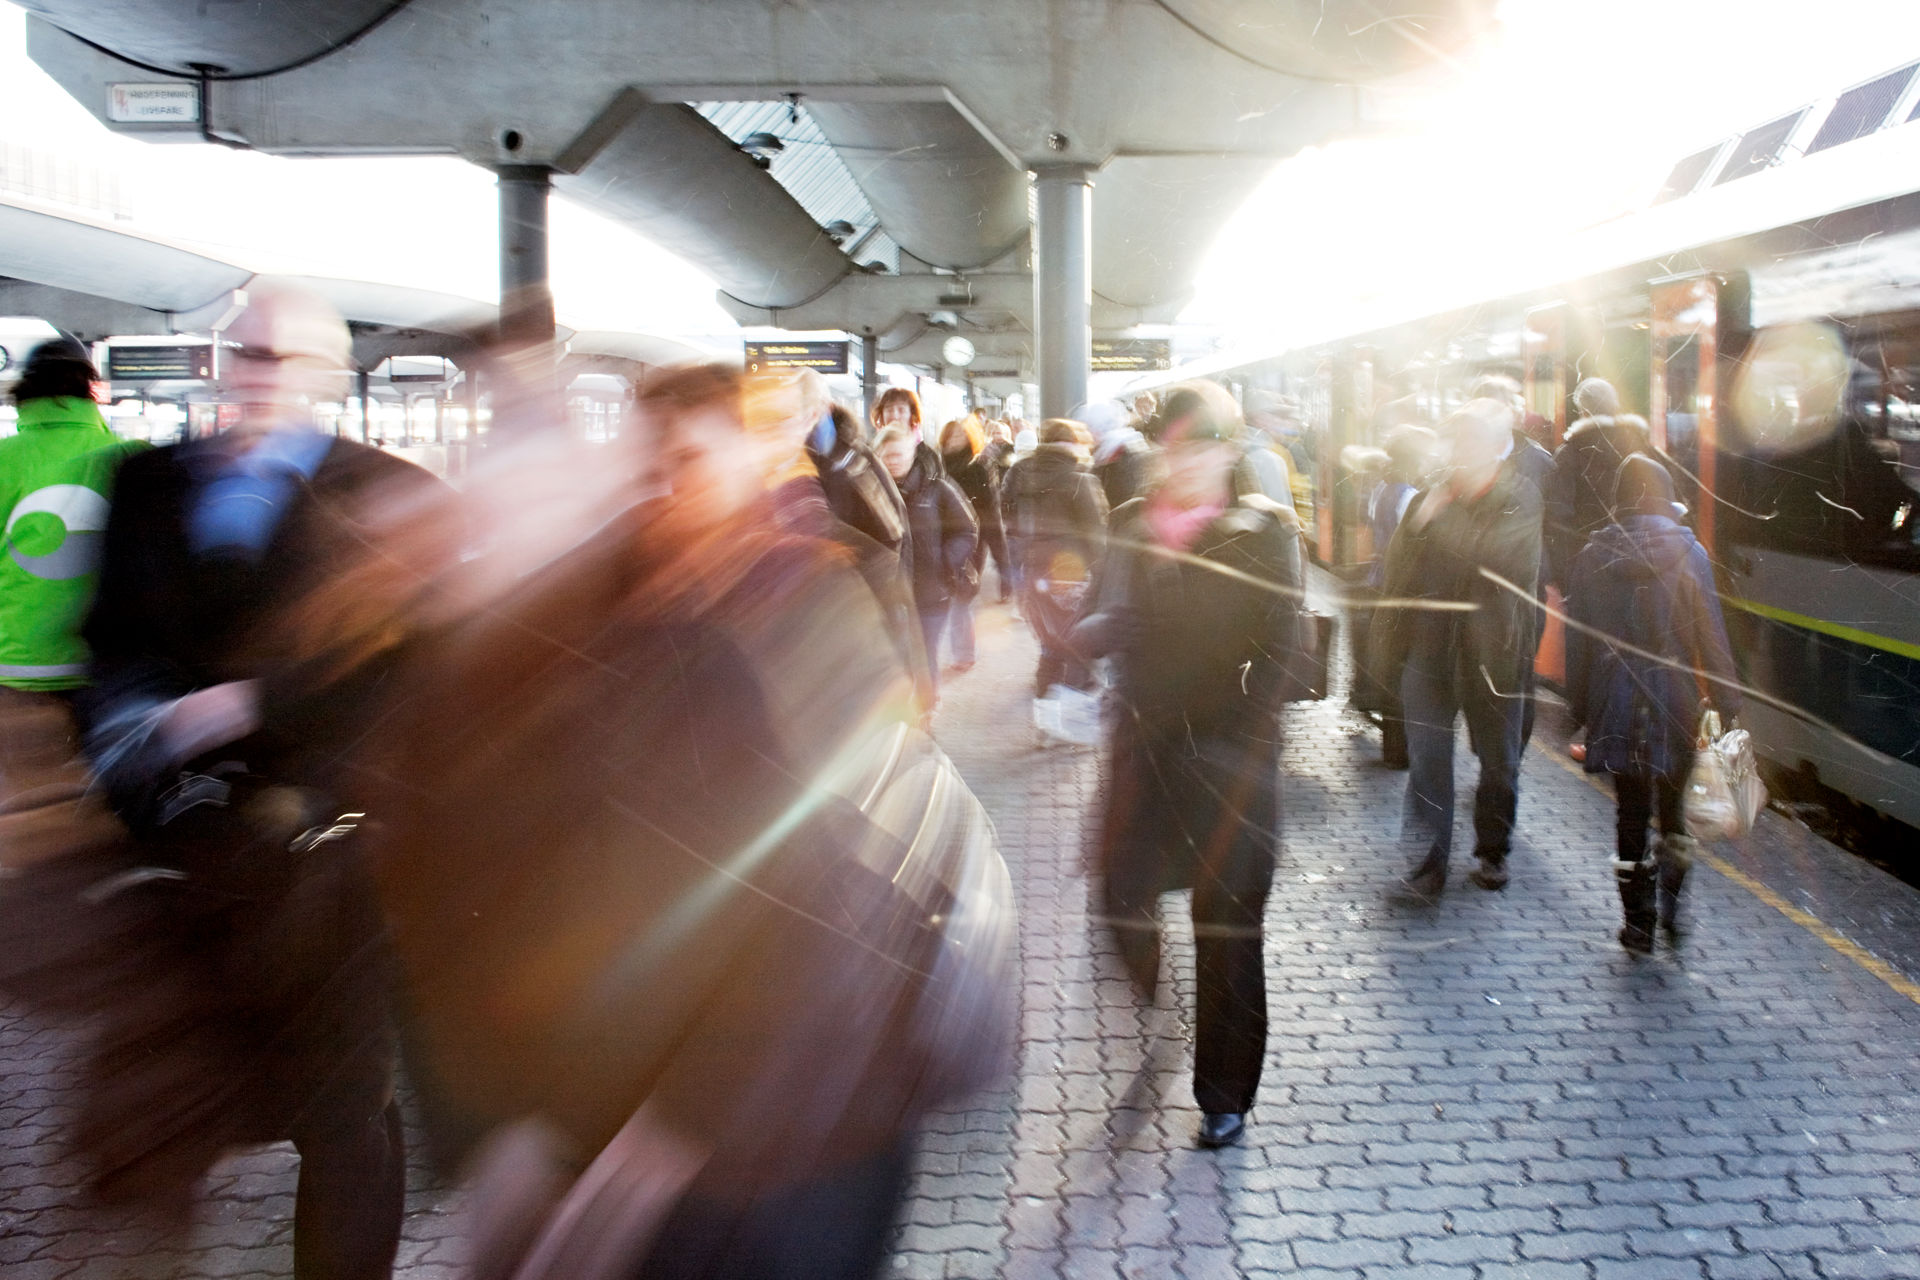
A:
(957, 350)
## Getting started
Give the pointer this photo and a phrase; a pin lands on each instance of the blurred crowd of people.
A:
(1471, 524)
(600, 791)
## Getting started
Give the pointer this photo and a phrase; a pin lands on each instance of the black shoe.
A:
(1491, 874)
(1427, 881)
(1222, 1128)
(1637, 938)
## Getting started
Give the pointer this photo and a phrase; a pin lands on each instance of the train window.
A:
(1759, 148)
(1862, 109)
(1687, 174)
(1825, 458)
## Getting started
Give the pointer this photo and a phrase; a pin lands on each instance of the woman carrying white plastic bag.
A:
(1648, 645)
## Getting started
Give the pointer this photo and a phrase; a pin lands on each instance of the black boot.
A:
(1673, 857)
(1636, 905)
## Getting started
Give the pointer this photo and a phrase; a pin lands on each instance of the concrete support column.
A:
(869, 377)
(1062, 285)
(363, 383)
(526, 296)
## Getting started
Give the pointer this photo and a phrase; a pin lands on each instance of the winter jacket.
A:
(55, 479)
(944, 533)
(1579, 489)
(979, 476)
(147, 648)
(803, 505)
(1384, 509)
(862, 494)
(1121, 465)
(1055, 515)
(650, 886)
(1442, 560)
(1645, 585)
(1199, 653)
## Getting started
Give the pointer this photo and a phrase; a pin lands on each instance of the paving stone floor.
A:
(1483, 1090)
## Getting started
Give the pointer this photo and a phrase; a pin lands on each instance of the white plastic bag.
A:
(1068, 715)
(1724, 791)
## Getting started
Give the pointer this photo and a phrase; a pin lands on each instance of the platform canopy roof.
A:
(834, 164)
(96, 280)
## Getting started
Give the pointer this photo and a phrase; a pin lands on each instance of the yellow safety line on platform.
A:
(1806, 920)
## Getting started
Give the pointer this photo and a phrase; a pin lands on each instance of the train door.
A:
(1544, 368)
(1685, 314)
(1350, 421)
(1545, 385)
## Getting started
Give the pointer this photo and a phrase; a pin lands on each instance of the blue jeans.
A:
(960, 629)
(1434, 689)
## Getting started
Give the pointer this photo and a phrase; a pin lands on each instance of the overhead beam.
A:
(86, 316)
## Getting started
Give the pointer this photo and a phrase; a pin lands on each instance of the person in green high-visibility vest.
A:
(55, 476)
(54, 482)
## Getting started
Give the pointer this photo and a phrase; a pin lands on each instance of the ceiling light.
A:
(762, 147)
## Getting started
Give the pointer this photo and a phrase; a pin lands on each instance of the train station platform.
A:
(1487, 1089)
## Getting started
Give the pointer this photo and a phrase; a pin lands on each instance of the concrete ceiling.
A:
(937, 112)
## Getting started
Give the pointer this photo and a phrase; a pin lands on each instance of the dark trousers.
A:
(1644, 796)
(1059, 667)
(348, 1203)
(1204, 815)
(1050, 614)
(835, 1227)
(1433, 690)
(1528, 678)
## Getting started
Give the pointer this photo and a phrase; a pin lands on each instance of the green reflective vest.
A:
(55, 478)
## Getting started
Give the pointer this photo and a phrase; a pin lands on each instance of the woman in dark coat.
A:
(1056, 521)
(944, 534)
(1197, 601)
(973, 469)
(1648, 645)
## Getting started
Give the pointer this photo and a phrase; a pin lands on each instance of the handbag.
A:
(1724, 791)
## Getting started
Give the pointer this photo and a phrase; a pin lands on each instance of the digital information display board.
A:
(1131, 355)
(826, 357)
(187, 360)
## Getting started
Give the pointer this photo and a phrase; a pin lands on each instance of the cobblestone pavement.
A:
(1485, 1089)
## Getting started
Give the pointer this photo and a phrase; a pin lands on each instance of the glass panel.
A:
(1687, 174)
(1844, 480)
(1682, 366)
(1759, 148)
(1861, 110)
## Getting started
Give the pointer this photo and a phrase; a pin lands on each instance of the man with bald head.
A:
(1455, 631)
(223, 720)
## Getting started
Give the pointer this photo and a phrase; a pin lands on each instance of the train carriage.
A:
(1779, 368)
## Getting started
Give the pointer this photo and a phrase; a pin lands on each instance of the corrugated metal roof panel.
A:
(808, 167)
